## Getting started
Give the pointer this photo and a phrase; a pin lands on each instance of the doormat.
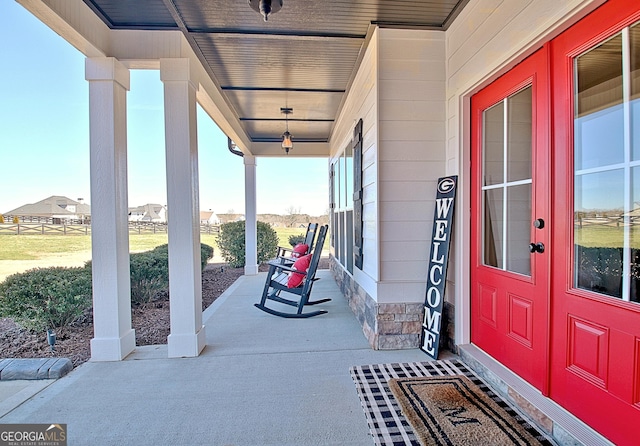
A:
(453, 410)
(387, 424)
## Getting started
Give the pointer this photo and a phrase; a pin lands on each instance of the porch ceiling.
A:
(304, 57)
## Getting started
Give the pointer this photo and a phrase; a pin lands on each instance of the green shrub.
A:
(206, 254)
(296, 239)
(54, 297)
(232, 244)
(44, 298)
(150, 272)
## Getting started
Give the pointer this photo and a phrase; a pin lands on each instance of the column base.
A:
(186, 345)
(113, 349)
(250, 270)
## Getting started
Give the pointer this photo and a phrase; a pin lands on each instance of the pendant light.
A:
(287, 143)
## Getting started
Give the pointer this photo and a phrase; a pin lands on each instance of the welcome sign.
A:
(437, 272)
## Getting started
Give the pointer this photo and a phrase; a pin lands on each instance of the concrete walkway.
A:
(261, 380)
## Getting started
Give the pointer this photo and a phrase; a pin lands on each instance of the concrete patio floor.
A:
(261, 380)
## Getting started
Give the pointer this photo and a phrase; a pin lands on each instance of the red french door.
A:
(510, 229)
(555, 273)
(595, 353)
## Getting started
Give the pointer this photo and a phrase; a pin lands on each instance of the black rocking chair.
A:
(277, 279)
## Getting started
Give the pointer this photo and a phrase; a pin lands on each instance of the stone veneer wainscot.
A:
(389, 326)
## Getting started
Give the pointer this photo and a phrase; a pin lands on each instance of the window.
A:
(606, 231)
(507, 181)
(345, 175)
(342, 216)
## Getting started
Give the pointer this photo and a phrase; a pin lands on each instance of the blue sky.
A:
(44, 134)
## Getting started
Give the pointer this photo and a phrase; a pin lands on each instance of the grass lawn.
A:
(40, 247)
(284, 233)
(19, 253)
(35, 247)
(606, 236)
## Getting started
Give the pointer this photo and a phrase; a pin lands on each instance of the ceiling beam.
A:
(289, 119)
(297, 90)
(296, 140)
(234, 33)
(300, 149)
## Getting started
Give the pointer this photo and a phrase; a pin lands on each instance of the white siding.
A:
(361, 102)
(490, 35)
(411, 156)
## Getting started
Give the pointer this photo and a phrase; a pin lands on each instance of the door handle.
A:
(536, 247)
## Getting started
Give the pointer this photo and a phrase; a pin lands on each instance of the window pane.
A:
(493, 144)
(349, 241)
(519, 229)
(349, 176)
(337, 180)
(599, 116)
(341, 238)
(519, 132)
(493, 228)
(634, 215)
(599, 231)
(634, 35)
(634, 235)
(334, 231)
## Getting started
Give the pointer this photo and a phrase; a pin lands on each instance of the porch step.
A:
(34, 368)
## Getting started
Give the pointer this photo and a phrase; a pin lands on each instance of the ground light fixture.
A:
(266, 7)
(287, 143)
(51, 339)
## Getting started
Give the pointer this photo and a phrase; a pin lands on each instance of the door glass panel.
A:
(507, 190)
(607, 167)
(493, 228)
(599, 120)
(519, 136)
(493, 144)
(599, 232)
(519, 228)
(634, 36)
(634, 214)
(634, 238)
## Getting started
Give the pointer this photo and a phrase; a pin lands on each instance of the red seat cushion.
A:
(302, 264)
(299, 250)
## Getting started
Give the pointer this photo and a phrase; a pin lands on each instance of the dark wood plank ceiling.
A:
(303, 57)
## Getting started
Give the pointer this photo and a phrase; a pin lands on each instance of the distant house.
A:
(57, 208)
(152, 213)
(209, 218)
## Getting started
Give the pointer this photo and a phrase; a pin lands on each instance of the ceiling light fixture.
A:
(266, 7)
(287, 143)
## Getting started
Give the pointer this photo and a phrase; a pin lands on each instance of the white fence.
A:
(79, 229)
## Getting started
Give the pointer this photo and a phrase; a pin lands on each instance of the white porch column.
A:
(251, 217)
(187, 336)
(108, 84)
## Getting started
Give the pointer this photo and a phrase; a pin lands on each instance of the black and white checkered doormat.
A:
(387, 424)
